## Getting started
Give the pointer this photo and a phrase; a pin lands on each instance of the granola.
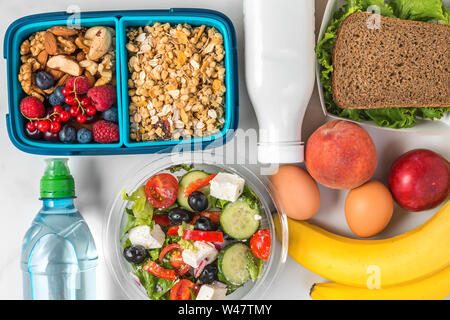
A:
(176, 81)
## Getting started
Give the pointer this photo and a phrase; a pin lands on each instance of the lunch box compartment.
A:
(22, 28)
(230, 73)
(21, 34)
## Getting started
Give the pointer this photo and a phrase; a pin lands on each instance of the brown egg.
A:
(369, 208)
(298, 192)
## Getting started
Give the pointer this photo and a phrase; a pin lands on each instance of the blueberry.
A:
(51, 136)
(57, 98)
(84, 135)
(111, 114)
(91, 119)
(68, 134)
(44, 80)
(35, 134)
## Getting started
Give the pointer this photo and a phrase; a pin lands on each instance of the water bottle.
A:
(59, 257)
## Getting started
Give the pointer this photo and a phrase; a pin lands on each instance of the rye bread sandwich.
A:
(392, 63)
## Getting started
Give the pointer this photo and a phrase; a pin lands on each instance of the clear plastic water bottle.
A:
(59, 257)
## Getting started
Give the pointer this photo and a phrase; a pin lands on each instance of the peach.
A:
(341, 155)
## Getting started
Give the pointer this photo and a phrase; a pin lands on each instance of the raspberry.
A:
(102, 97)
(105, 132)
(32, 108)
(82, 84)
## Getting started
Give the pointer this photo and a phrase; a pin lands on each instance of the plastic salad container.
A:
(116, 219)
(22, 28)
(423, 127)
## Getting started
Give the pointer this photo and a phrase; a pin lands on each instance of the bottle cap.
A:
(57, 182)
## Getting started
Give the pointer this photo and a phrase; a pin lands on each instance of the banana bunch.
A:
(414, 265)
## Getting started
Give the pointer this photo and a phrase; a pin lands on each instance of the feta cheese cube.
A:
(209, 292)
(227, 186)
(205, 250)
(150, 239)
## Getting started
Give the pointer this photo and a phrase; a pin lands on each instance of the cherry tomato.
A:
(158, 271)
(162, 190)
(260, 244)
(182, 290)
(197, 184)
(177, 262)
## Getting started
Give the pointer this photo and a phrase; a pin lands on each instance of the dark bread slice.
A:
(402, 64)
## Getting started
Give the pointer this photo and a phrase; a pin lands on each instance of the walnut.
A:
(66, 46)
(25, 48)
(37, 43)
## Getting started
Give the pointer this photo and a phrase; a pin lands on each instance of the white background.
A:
(98, 178)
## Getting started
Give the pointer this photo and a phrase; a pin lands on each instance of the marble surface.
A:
(98, 178)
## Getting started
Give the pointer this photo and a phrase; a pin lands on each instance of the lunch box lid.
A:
(180, 145)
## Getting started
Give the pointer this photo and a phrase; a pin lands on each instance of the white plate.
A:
(423, 127)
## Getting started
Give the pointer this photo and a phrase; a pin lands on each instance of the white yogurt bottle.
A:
(280, 73)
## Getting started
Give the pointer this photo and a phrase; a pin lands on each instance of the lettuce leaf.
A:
(141, 208)
(397, 118)
(422, 10)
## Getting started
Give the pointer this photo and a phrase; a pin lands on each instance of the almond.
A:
(50, 43)
(63, 31)
(42, 58)
(65, 64)
(62, 80)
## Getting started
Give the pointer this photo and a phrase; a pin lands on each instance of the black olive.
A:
(198, 201)
(135, 254)
(204, 224)
(178, 215)
(209, 274)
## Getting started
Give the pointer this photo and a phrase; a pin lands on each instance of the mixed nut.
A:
(176, 83)
(68, 75)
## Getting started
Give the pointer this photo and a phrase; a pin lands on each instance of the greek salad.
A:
(198, 236)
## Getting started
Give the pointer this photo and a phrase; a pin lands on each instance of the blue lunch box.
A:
(22, 28)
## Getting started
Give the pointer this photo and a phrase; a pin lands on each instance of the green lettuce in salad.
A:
(397, 118)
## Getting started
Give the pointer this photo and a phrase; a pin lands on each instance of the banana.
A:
(416, 254)
(435, 287)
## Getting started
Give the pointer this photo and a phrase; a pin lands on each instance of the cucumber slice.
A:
(185, 181)
(238, 219)
(232, 263)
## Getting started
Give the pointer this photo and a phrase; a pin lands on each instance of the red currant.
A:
(90, 110)
(57, 109)
(69, 99)
(43, 125)
(55, 126)
(81, 118)
(66, 91)
(31, 126)
(73, 111)
(64, 116)
(85, 101)
(55, 118)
